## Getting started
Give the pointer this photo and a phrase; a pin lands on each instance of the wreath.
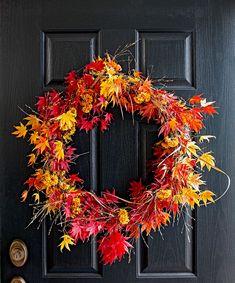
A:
(176, 164)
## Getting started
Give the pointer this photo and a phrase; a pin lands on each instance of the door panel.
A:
(63, 51)
(188, 42)
(169, 55)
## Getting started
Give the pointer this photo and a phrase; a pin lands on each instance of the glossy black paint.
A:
(190, 42)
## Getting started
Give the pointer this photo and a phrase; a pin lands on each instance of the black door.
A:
(190, 42)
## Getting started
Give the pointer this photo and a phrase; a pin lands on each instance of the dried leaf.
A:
(24, 195)
(206, 196)
(206, 138)
(67, 120)
(206, 159)
(21, 131)
(32, 159)
(191, 148)
(66, 241)
(59, 152)
(42, 144)
(36, 198)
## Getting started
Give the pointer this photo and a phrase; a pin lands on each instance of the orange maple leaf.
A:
(42, 144)
(33, 121)
(32, 159)
(21, 131)
(24, 195)
(196, 125)
(196, 99)
(173, 124)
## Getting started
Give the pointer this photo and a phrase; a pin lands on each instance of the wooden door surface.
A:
(191, 43)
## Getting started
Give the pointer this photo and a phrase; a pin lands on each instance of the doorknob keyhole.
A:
(18, 253)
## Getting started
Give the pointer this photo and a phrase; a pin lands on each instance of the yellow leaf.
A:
(21, 131)
(191, 148)
(111, 87)
(67, 120)
(170, 142)
(36, 198)
(206, 196)
(173, 124)
(67, 240)
(133, 79)
(163, 194)
(177, 199)
(24, 195)
(32, 159)
(68, 135)
(194, 180)
(190, 197)
(206, 159)
(59, 152)
(206, 138)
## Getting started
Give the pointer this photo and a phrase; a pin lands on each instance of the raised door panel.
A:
(64, 51)
(167, 57)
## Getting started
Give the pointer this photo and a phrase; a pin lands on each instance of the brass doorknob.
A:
(18, 279)
(18, 253)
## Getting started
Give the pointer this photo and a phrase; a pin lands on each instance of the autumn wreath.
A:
(176, 163)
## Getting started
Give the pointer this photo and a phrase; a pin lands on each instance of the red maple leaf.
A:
(165, 129)
(42, 101)
(149, 111)
(209, 109)
(88, 79)
(75, 230)
(103, 125)
(110, 197)
(78, 231)
(101, 100)
(53, 130)
(67, 207)
(94, 227)
(71, 77)
(75, 178)
(30, 182)
(96, 65)
(71, 82)
(136, 188)
(86, 125)
(70, 152)
(55, 198)
(108, 117)
(55, 110)
(62, 165)
(113, 247)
